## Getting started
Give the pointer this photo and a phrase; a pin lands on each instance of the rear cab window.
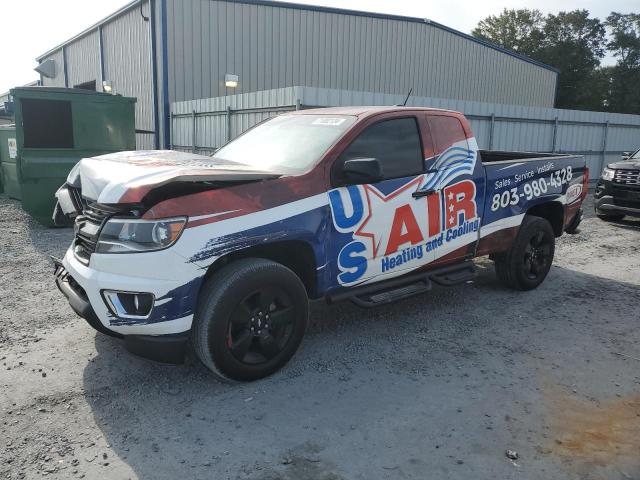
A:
(446, 130)
(395, 143)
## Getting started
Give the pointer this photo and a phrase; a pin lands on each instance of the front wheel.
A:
(529, 260)
(250, 320)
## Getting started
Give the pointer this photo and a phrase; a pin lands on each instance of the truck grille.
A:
(627, 177)
(76, 196)
(88, 226)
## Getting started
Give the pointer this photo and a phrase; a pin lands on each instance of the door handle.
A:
(423, 193)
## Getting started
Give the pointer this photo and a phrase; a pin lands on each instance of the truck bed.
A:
(494, 156)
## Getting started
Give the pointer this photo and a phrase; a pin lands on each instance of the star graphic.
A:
(385, 206)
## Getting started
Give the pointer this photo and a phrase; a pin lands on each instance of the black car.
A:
(618, 190)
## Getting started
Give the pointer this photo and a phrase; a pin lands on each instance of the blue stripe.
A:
(460, 164)
(454, 173)
(452, 159)
(64, 67)
(101, 50)
(165, 75)
(455, 152)
(154, 74)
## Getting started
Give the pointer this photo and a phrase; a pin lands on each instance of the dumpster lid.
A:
(78, 91)
(40, 92)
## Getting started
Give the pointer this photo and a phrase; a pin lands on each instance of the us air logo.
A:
(396, 231)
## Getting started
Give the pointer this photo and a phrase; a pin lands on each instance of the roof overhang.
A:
(91, 29)
(315, 8)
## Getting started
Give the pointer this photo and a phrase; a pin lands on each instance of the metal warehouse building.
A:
(168, 51)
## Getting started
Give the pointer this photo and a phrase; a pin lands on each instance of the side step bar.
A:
(406, 286)
(454, 274)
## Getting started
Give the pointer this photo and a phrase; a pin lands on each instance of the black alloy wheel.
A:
(260, 326)
(538, 255)
(526, 264)
(251, 316)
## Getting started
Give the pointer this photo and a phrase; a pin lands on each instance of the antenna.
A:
(407, 99)
(404, 104)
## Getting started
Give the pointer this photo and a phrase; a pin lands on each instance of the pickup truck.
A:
(220, 255)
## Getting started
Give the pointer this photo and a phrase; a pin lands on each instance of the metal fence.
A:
(201, 126)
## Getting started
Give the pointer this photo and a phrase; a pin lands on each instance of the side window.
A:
(396, 143)
(445, 131)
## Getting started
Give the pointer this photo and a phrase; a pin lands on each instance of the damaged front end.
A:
(69, 203)
(144, 178)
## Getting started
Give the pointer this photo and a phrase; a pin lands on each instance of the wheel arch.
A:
(553, 212)
(297, 255)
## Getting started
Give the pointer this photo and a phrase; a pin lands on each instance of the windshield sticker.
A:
(332, 122)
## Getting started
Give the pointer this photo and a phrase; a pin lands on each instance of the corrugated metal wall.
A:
(601, 137)
(216, 120)
(83, 64)
(272, 47)
(127, 64)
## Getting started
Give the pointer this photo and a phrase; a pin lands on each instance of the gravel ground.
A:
(439, 386)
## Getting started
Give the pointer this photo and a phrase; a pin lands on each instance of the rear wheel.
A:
(529, 260)
(251, 318)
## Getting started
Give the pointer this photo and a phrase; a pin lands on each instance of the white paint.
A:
(13, 147)
(503, 223)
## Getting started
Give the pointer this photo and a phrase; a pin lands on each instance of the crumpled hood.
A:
(127, 177)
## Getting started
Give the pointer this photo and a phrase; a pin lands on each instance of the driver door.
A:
(380, 229)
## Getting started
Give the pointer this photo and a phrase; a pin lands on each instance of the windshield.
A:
(636, 156)
(289, 143)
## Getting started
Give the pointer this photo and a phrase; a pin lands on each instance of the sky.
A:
(31, 27)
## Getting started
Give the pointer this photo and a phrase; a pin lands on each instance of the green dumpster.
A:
(56, 128)
(8, 151)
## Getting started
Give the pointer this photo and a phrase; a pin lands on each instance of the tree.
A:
(570, 41)
(624, 43)
(573, 43)
(518, 30)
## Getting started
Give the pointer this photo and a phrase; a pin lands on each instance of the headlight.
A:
(607, 174)
(127, 235)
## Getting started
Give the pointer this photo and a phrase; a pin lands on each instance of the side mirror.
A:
(362, 170)
(626, 155)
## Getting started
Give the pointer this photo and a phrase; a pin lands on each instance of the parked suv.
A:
(618, 189)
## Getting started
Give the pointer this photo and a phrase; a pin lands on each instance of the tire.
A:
(609, 217)
(517, 268)
(250, 319)
(573, 227)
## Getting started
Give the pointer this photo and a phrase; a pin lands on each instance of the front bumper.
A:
(161, 348)
(170, 278)
(612, 199)
(78, 300)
